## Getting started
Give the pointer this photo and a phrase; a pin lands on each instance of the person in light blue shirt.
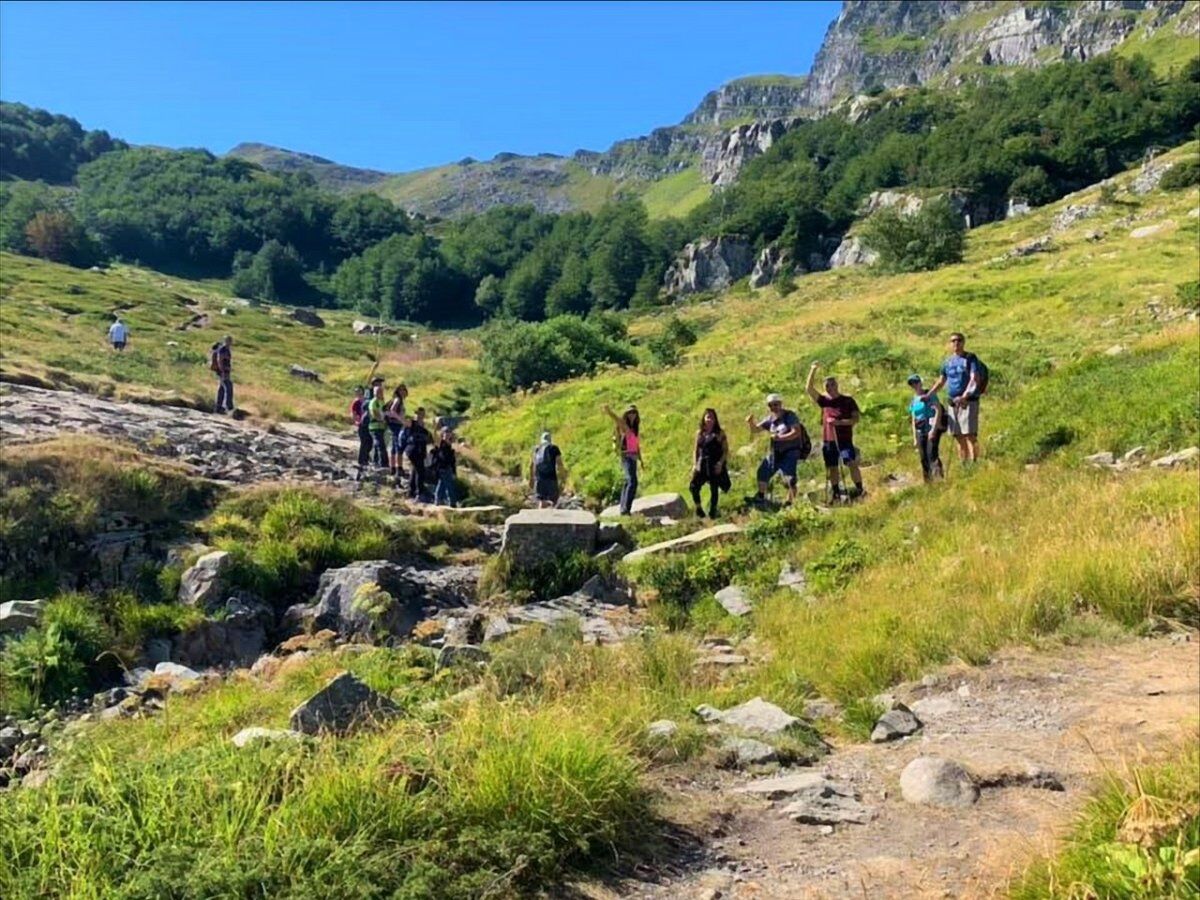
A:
(928, 425)
(118, 334)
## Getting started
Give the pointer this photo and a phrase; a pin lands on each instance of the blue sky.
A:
(392, 86)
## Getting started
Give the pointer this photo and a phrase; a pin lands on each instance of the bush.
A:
(520, 354)
(932, 237)
(1189, 294)
(542, 581)
(1181, 175)
(274, 273)
(835, 567)
(667, 346)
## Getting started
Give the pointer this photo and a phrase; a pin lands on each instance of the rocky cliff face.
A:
(723, 155)
(874, 45)
(760, 97)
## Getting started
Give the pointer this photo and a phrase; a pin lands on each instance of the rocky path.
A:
(1072, 713)
(218, 447)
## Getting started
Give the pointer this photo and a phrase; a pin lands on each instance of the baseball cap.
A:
(914, 378)
(545, 437)
(774, 398)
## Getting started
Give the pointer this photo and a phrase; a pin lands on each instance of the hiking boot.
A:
(712, 512)
(699, 512)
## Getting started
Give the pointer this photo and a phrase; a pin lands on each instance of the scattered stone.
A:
(661, 730)
(462, 655)
(733, 600)
(542, 535)
(1136, 455)
(615, 552)
(176, 674)
(760, 717)
(783, 787)
(203, 584)
(721, 659)
(1116, 350)
(1041, 244)
(257, 735)
(929, 708)
(826, 802)
(820, 708)
(611, 533)
(302, 373)
(670, 505)
(709, 715)
(1151, 230)
(361, 327)
(687, 542)
(852, 252)
(1182, 458)
(896, 723)
(1074, 212)
(306, 317)
(744, 753)
(1104, 459)
(17, 615)
(793, 578)
(935, 781)
(343, 704)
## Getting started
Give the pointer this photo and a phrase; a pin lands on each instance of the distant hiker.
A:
(789, 445)
(377, 425)
(415, 441)
(444, 467)
(709, 459)
(966, 380)
(928, 418)
(118, 334)
(362, 421)
(220, 360)
(629, 447)
(839, 415)
(394, 415)
(546, 471)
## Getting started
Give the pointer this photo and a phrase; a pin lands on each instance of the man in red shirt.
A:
(839, 415)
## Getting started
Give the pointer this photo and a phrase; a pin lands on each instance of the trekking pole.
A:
(841, 471)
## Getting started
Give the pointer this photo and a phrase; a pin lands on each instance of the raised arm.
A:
(810, 385)
(617, 420)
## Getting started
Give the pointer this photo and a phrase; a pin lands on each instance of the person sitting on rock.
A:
(709, 457)
(444, 467)
(415, 441)
(546, 472)
(789, 445)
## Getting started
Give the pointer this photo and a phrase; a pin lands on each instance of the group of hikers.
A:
(963, 375)
(430, 461)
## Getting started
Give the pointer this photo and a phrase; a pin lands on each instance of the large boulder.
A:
(710, 264)
(343, 704)
(654, 505)
(306, 317)
(770, 264)
(374, 598)
(758, 716)
(935, 781)
(235, 636)
(852, 252)
(17, 615)
(204, 584)
(542, 535)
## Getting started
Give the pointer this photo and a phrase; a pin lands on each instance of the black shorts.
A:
(118, 345)
(546, 489)
(829, 452)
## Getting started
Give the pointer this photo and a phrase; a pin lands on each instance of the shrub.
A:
(522, 354)
(668, 345)
(932, 237)
(546, 580)
(837, 565)
(50, 662)
(1182, 175)
(1189, 294)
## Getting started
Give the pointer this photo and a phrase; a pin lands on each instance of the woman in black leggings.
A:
(708, 462)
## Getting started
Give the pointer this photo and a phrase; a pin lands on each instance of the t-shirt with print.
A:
(786, 421)
(923, 411)
(833, 408)
(957, 372)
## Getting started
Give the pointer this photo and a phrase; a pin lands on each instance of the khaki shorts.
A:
(963, 420)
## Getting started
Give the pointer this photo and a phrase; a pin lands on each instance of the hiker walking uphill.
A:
(361, 419)
(414, 444)
(546, 472)
(395, 416)
(965, 378)
(928, 418)
(839, 415)
(709, 460)
(443, 465)
(118, 334)
(629, 446)
(220, 360)
(789, 445)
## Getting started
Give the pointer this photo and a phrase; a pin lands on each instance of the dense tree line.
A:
(39, 146)
(1035, 135)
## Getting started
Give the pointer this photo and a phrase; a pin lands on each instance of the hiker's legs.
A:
(961, 441)
(714, 492)
(220, 404)
(364, 447)
(381, 459)
(694, 486)
(444, 490)
(416, 480)
(228, 382)
(923, 445)
(935, 461)
(630, 464)
(972, 447)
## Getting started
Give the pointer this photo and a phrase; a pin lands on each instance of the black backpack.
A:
(805, 444)
(544, 462)
(981, 374)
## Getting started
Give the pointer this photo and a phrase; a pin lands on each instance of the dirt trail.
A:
(1073, 711)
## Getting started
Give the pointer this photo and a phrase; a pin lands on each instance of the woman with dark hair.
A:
(629, 446)
(395, 415)
(708, 462)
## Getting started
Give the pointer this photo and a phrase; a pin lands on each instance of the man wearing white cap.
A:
(789, 445)
(546, 470)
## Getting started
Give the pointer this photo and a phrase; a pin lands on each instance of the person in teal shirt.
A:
(928, 418)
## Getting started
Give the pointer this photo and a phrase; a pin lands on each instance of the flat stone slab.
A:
(670, 505)
(542, 535)
(743, 753)
(687, 542)
(782, 787)
(734, 601)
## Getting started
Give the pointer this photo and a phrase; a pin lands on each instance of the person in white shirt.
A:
(118, 333)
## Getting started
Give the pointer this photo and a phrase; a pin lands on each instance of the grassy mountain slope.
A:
(54, 320)
(329, 175)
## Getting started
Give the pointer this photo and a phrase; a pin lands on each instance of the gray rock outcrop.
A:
(343, 704)
(723, 157)
(306, 317)
(734, 601)
(770, 264)
(541, 535)
(236, 635)
(17, 615)
(709, 264)
(204, 583)
(852, 252)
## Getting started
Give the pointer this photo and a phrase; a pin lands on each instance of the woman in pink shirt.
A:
(629, 446)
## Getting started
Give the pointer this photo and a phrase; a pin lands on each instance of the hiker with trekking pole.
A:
(789, 445)
(965, 378)
(839, 415)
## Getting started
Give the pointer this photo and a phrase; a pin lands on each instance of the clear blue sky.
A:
(392, 86)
